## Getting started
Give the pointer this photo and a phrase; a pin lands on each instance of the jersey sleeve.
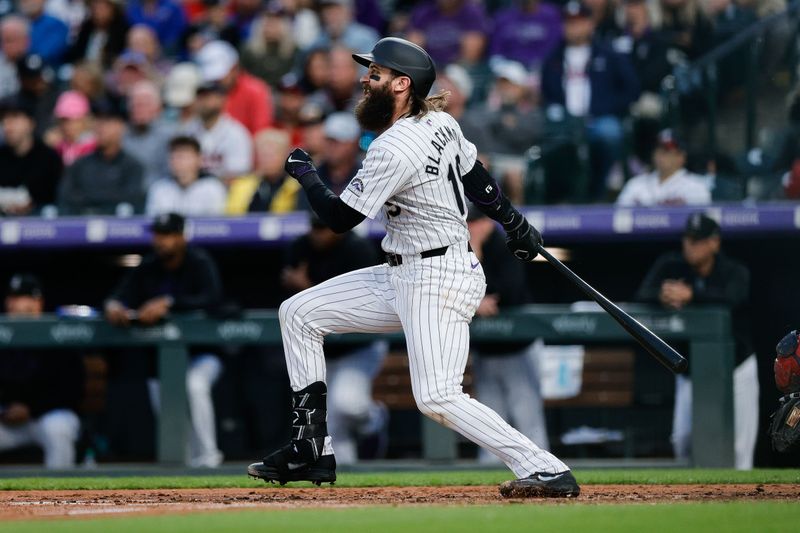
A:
(382, 175)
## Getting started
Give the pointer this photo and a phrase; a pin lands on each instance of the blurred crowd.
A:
(151, 106)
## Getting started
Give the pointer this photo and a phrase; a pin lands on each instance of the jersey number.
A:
(452, 177)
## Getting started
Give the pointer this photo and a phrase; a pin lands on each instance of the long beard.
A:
(374, 112)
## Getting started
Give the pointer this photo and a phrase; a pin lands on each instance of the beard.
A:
(374, 112)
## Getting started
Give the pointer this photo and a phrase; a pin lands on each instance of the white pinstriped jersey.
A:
(413, 172)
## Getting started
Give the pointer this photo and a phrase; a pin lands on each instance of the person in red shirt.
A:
(249, 100)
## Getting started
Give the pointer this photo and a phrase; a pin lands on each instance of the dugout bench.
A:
(707, 332)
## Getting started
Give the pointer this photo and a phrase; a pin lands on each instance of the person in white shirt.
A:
(187, 190)
(226, 144)
(670, 183)
(15, 39)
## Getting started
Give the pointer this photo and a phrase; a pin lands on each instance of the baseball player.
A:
(417, 171)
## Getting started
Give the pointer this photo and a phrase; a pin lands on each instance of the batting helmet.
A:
(404, 57)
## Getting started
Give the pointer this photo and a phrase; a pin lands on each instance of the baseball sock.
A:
(309, 422)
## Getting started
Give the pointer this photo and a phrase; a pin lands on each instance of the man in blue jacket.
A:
(586, 79)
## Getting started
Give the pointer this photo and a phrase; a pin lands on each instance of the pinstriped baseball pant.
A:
(432, 300)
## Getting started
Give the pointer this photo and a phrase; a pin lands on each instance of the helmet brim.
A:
(364, 59)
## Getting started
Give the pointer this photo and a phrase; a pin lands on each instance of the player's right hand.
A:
(524, 242)
(299, 164)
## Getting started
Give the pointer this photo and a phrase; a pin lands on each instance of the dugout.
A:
(613, 262)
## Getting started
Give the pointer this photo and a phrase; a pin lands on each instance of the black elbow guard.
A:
(482, 190)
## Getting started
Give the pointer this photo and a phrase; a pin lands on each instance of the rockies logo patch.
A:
(356, 186)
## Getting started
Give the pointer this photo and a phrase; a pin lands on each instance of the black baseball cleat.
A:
(542, 485)
(278, 466)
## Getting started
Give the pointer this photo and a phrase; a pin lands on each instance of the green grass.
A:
(427, 478)
(728, 517)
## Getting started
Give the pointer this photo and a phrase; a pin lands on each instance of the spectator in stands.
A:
(14, 43)
(187, 190)
(450, 30)
(142, 39)
(526, 32)
(129, 69)
(352, 413)
(684, 27)
(315, 70)
(40, 391)
(506, 374)
(342, 89)
(30, 169)
(176, 278)
(248, 99)
(670, 183)
(343, 160)
(72, 137)
(87, 79)
(648, 55)
(271, 51)
(513, 123)
(268, 189)
(101, 37)
(305, 26)
(214, 24)
(147, 137)
(180, 92)
(703, 275)
(339, 28)
(48, 34)
(456, 80)
(244, 13)
(643, 45)
(227, 147)
(36, 87)
(108, 180)
(70, 12)
(604, 15)
(591, 82)
(314, 133)
(166, 17)
(290, 101)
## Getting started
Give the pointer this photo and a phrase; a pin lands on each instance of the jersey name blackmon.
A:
(412, 175)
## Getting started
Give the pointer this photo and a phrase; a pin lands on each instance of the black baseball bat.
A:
(651, 342)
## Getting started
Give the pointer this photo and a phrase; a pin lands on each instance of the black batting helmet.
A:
(404, 57)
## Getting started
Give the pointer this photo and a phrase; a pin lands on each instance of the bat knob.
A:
(681, 366)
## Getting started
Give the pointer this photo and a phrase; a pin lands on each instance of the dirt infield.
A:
(34, 504)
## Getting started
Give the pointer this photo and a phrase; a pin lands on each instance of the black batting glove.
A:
(299, 163)
(524, 241)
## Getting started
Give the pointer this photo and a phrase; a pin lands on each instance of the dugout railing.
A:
(705, 331)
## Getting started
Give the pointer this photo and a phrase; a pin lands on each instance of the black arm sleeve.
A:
(336, 214)
(483, 191)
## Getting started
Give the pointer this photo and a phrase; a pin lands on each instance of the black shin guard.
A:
(309, 427)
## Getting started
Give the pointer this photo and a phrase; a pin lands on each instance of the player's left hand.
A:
(299, 164)
(524, 241)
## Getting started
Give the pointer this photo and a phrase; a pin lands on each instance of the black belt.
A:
(397, 259)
